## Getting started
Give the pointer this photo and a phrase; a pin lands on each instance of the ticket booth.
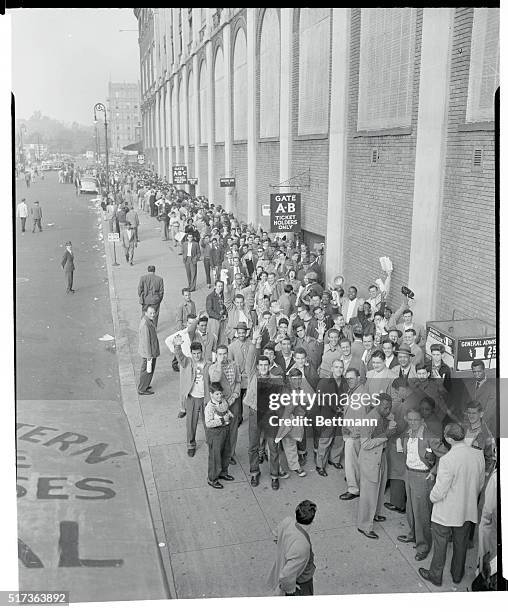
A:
(465, 341)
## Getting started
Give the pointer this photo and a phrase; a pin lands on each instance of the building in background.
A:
(383, 120)
(124, 115)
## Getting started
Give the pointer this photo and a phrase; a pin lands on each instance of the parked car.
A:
(89, 184)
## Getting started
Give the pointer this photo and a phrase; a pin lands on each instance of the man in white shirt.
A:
(22, 213)
(351, 305)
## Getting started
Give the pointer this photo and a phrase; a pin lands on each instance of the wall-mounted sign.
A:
(114, 237)
(471, 349)
(141, 158)
(227, 182)
(180, 175)
(192, 181)
(285, 212)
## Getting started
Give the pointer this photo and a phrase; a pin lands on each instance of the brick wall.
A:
(267, 173)
(203, 170)
(379, 197)
(240, 172)
(466, 275)
(219, 163)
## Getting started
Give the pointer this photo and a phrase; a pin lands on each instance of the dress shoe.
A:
(337, 466)
(132, 263)
(215, 484)
(283, 475)
(393, 508)
(406, 539)
(421, 556)
(456, 581)
(379, 518)
(191, 452)
(254, 480)
(369, 534)
(232, 461)
(226, 477)
(146, 393)
(425, 574)
(300, 472)
(321, 471)
(275, 484)
(347, 496)
(181, 414)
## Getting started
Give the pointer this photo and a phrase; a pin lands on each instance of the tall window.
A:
(219, 99)
(484, 65)
(387, 42)
(269, 75)
(174, 110)
(191, 108)
(240, 87)
(203, 103)
(314, 71)
(181, 110)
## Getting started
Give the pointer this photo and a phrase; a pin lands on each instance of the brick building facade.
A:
(383, 119)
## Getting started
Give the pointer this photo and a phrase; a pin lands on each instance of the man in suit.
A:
(309, 382)
(237, 315)
(36, 212)
(191, 256)
(133, 219)
(243, 353)
(372, 460)
(409, 338)
(151, 292)
(293, 570)
(186, 308)
(198, 330)
(460, 478)
(129, 243)
(284, 358)
(68, 266)
(351, 304)
(312, 347)
(421, 449)
(148, 349)
(352, 361)
(481, 389)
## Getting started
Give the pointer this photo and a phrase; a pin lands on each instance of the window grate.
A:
(374, 156)
(478, 158)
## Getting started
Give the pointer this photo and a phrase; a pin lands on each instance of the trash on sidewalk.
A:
(49, 224)
(106, 338)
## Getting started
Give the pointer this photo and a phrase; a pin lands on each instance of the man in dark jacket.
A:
(191, 255)
(151, 292)
(68, 266)
(148, 350)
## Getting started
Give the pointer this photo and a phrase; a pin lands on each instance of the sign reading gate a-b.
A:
(285, 212)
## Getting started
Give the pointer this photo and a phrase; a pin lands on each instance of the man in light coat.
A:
(22, 213)
(293, 570)
(129, 243)
(460, 478)
(148, 349)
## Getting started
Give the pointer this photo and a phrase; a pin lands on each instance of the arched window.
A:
(174, 110)
(191, 107)
(314, 71)
(269, 75)
(240, 87)
(219, 100)
(181, 113)
(203, 103)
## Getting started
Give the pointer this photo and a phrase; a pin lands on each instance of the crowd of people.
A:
(270, 325)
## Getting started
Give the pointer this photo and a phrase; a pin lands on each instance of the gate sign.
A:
(179, 175)
(141, 158)
(469, 349)
(192, 181)
(285, 212)
(227, 182)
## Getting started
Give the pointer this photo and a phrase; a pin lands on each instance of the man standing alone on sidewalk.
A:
(151, 292)
(36, 216)
(148, 349)
(129, 243)
(293, 570)
(68, 266)
(22, 213)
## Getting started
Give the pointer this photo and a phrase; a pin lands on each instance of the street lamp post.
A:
(99, 107)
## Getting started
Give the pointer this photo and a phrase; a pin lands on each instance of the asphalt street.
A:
(59, 354)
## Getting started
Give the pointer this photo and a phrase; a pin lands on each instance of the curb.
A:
(132, 410)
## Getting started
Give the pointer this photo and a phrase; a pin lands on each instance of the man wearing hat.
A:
(405, 370)
(243, 353)
(394, 335)
(129, 242)
(68, 266)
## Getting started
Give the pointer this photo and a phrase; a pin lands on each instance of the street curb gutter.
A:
(132, 409)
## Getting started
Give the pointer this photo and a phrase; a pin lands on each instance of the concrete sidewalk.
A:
(220, 543)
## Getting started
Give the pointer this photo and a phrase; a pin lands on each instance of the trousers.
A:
(145, 378)
(206, 264)
(306, 588)
(233, 426)
(330, 448)
(352, 465)
(23, 223)
(419, 508)
(398, 493)
(194, 406)
(371, 495)
(69, 278)
(289, 446)
(440, 537)
(191, 269)
(37, 223)
(219, 451)
(273, 448)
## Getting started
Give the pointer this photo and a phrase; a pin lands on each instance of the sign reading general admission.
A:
(285, 212)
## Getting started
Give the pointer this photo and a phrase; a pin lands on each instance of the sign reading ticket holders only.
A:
(113, 237)
(285, 212)
(141, 158)
(179, 175)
